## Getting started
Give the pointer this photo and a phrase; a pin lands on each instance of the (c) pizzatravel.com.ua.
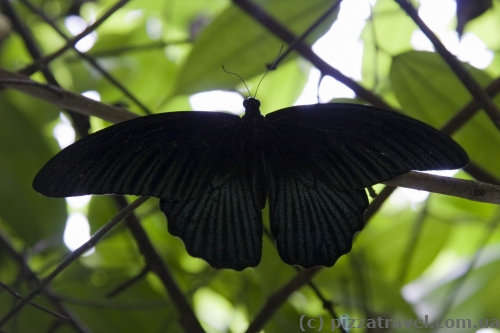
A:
(319, 324)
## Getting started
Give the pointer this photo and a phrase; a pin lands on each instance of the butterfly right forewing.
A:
(355, 146)
(168, 155)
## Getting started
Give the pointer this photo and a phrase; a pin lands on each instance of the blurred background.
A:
(420, 255)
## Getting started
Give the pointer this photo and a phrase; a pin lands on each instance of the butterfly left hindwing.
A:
(223, 225)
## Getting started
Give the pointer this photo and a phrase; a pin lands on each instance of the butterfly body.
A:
(214, 172)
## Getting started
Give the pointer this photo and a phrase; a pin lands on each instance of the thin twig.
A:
(327, 304)
(481, 174)
(413, 235)
(39, 307)
(75, 322)
(42, 62)
(467, 79)
(470, 109)
(88, 58)
(74, 256)
(136, 48)
(304, 50)
(306, 33)
(278, 298)
(107, 304)
(130, 282)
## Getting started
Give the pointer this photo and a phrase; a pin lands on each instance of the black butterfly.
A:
(214, 171)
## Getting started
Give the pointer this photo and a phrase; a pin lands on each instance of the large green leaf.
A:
(428, 90)
(23, 151)
(238, 42)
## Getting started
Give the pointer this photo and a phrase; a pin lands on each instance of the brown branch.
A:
(42, 62)
(467, 189)
(467, 79)
(278, 298)
(64, 99)
(73, 256)
(88, 58)
(187, 317)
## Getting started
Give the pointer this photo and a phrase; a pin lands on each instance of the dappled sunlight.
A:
(438, 16)
(75, 25)
(217, 100)
(77, 232)
(64, 132)
(78, 202)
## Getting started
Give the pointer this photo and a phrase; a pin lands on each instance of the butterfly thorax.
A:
(253, 120)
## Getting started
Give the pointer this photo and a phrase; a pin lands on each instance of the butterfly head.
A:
(252, 107)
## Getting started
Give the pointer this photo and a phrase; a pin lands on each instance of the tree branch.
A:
(468, 81)
(468, 189)
(64, 99)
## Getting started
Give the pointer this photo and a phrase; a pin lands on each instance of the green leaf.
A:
(23, 152)
(237, 41)
(428, 90)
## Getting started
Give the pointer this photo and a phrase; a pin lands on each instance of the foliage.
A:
(438, 257)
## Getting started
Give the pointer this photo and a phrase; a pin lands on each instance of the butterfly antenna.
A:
(228, 72)
(268, 70)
